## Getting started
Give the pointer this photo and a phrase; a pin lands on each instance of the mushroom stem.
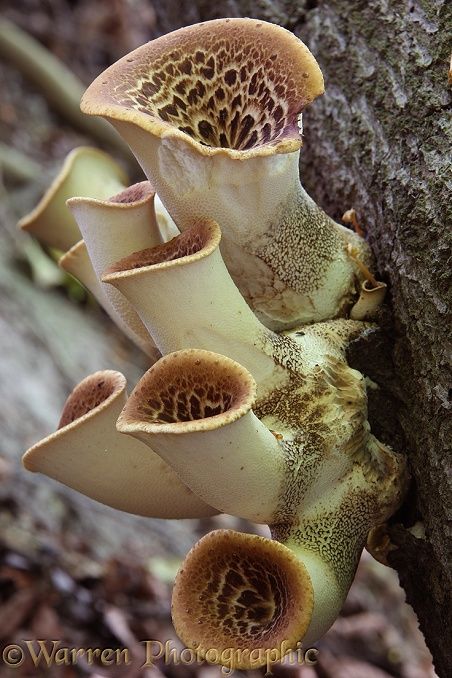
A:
(188, 273)
(193, 407)
(87, 454)
(112, 229)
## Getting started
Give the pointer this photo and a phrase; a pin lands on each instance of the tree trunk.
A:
(377, 141)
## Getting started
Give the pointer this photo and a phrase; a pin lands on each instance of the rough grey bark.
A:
(377, 141)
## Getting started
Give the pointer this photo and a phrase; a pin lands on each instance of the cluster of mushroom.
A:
(250, 293)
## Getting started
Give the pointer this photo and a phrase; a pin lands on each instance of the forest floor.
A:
(70, 570)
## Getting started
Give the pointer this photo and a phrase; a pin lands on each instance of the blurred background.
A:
(71, 569)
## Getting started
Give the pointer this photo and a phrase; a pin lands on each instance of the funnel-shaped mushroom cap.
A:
(237, 84)
(193, 408)
(87, 454)
(85, 172)
(241, 600)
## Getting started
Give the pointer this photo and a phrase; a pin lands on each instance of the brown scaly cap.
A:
(224, 86)
(239, 596)
(196, 242)
(187, 391)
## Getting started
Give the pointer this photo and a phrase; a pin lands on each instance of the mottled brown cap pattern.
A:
(229, 83)
(189, 387)
(200, 239)
(241, 591)
(92, 392)
(133, 194)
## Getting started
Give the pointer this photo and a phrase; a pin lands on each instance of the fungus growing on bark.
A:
(89, 173)
(321, 485)
(256, 413)
(194, 409)
(87, 454)
(212, 113)
(188, 273)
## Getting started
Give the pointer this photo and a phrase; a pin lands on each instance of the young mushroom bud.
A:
(85, 172)
(88, 454)
(193, 408)
(370, 299)
(212, 113)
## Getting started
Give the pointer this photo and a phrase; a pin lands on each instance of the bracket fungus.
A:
(253, 409)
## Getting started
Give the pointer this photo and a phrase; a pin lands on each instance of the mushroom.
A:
(249, 412)
(112, 229)
(370, 299)
(193, 407)
(87, 454)
(301, 459)
(372, 292)
(212, 113)
(87, 172)
(188, 273)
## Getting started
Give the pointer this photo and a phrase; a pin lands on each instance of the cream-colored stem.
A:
(77, 262)
(333, 524)
(329, 545)
(90, 456)
(211, 314)
(112, 230)
(284, 253)
(167, 227)
(237, 468)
